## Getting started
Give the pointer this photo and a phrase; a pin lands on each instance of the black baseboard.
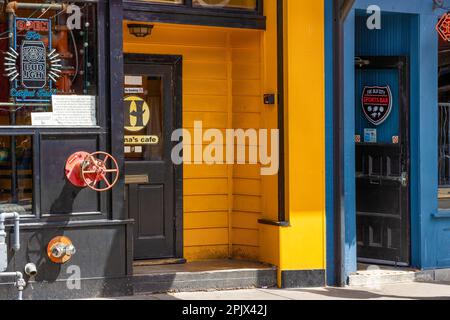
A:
(303, 279)
(58, 290)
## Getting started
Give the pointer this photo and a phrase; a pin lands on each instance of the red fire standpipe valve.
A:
(98, 171)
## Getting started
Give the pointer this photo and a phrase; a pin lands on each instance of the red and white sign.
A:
(376, 103)
(443, 27)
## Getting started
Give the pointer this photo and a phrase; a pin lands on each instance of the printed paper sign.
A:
(74, 110)
(134, 90)
(43, 119)
(370, 135)
(133, 80)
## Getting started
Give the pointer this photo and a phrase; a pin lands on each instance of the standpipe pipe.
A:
(16, 217)
(13, 6)
(19, 281)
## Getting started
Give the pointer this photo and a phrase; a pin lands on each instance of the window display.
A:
(47, 50)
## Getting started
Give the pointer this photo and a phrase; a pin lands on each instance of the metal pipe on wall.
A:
(12, 116)
(19, 282)
(341, 10)
(16, 217)
(18, 276)
(24, 104)
(13, 6)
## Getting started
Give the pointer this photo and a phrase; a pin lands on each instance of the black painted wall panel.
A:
(59, 196)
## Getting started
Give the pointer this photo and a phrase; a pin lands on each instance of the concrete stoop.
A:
(179, 281)
(371, 278)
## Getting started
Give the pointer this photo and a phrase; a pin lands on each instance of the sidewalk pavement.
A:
(402, 291)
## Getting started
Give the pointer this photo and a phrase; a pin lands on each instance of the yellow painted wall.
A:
(222, 86)
(225, 74)
(302, 246)
(269, 237)
(247, 92)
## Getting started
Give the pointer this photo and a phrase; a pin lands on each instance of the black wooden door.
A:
(382, 160)
(150, 118)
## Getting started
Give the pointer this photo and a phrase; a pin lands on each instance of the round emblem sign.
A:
(137, 114)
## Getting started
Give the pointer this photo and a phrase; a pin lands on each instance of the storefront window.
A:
(166, 1)
(241, 4)
(49, 64)
(16, 174)
(217, 4)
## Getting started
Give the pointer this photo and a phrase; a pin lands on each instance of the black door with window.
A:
(152, 111)
(382, 160)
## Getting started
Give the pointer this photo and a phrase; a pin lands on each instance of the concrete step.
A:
(370, 276)
(196, 277)
(376, 277)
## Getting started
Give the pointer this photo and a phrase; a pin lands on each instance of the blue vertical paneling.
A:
(393, 39)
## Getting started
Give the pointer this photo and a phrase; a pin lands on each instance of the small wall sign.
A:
(443, 27)
(376, 103)
(370, 136)
(134, 90)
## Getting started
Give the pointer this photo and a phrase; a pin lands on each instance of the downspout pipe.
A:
(16, 217)
(341, 10)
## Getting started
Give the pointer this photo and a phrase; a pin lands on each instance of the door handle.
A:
(375, 182)
(404, 179)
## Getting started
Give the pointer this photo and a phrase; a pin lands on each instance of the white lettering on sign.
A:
(134, 90)
(141, 140)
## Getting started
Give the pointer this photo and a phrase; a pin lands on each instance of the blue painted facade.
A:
(329, 139)
(408, 29)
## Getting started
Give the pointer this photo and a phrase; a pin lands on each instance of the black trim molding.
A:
(303, 279)
(282, 216)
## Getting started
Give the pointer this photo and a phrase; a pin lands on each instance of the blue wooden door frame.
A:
(427, 224)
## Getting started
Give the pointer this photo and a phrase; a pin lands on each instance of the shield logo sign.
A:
(377, 103)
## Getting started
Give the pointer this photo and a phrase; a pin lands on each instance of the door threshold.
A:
(385, 263)
(158, 262)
